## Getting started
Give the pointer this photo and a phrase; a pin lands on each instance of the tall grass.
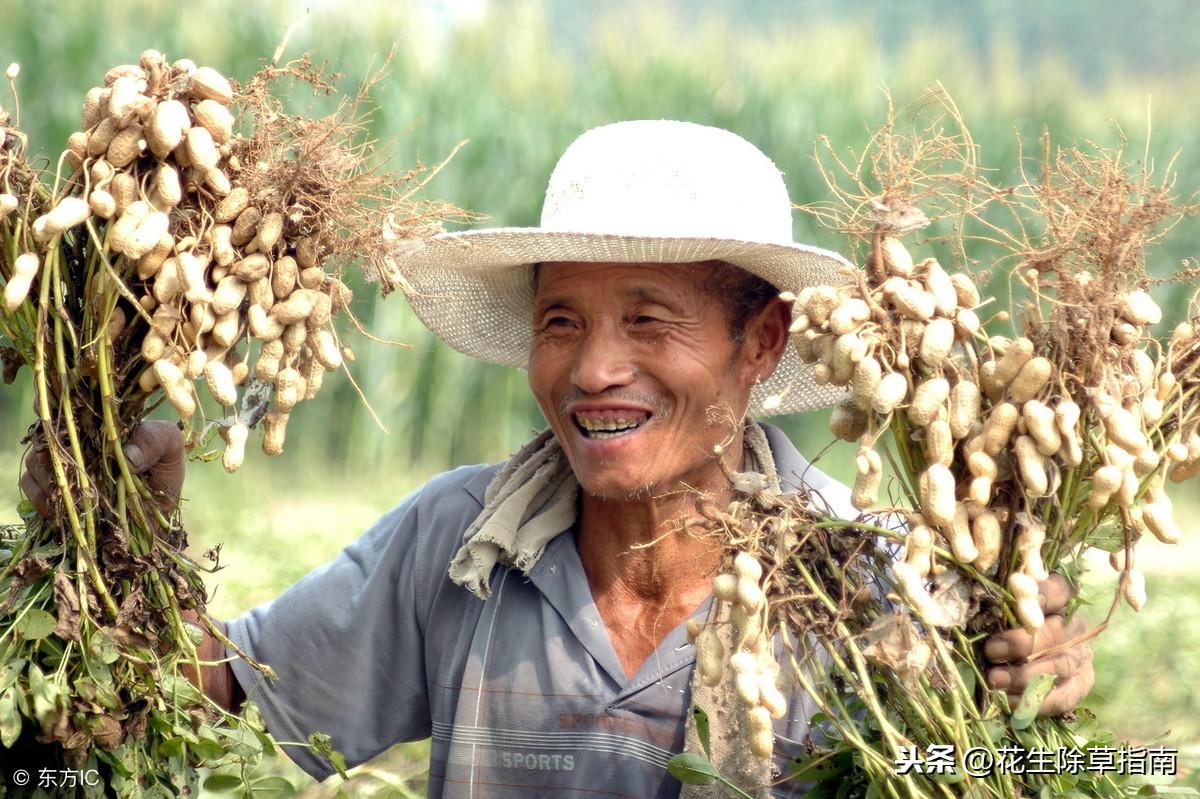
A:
(520, 84)
(520, 95)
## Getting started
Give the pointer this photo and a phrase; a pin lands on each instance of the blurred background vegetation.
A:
(520, 79)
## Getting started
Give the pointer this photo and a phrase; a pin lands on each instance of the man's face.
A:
(627, 361)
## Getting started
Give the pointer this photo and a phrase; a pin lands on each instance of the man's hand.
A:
(155, 449)
(1022, 654)
(219, 681)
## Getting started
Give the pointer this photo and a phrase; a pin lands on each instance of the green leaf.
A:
(195, 634)
(47, 697)
(995, 729)
(338, 761)
(10, 673)
(208, 751)
(104, 648)
(251, 713)
(85, 688)
(97, 791)
(241, 741)
(691, 769)
(1035, 693)
(10, 719)
(107, 697)
(1109, 536)
(29, 514)
(1085, 724)
(966, 673)
(1028, 738)
(222, 783)
(171, 747)
(100, 672)
(702, 729)
(268, 746)
(272, 788)
(35, 625)
(181, 690)
(185, 733)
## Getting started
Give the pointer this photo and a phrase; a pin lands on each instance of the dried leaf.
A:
(953, 595)
(895, 644)
(67, 602)
(106, 731)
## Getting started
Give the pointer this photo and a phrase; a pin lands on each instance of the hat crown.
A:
(664, 178)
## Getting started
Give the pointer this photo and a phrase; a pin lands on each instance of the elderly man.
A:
(530, 617)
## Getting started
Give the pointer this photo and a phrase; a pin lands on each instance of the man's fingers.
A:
(1054, 593)
(37, 464)
(156, 448)
(1075, 627)
(1067, 696)
(1008, 646)
(1014, 679)
(37, 481)
(152, 443)
(35, 493)
(1013, 645)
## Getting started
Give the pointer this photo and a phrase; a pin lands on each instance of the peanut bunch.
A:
(752, 660)
(992, 427)
(209, 266)
(192, 232)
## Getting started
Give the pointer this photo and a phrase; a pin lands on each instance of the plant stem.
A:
(42, 392)
(215, 632)
(66, 410)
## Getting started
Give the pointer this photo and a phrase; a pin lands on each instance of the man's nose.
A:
(603, 361)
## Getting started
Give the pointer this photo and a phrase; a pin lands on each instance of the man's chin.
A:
(622, 490)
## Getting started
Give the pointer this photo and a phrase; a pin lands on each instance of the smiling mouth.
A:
(602, 427)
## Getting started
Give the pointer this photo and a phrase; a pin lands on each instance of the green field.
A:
(520, 80)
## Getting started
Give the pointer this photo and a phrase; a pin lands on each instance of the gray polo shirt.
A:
(522, 694)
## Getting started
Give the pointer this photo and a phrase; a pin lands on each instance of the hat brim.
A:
(474, 291)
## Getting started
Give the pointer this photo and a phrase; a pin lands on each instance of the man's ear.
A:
(766, 339)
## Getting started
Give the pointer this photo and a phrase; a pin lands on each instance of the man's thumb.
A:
(135, 457)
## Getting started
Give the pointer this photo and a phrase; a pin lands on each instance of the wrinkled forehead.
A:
(571, 273)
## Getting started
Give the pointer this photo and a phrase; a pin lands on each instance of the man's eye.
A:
(646, 320)
(558, 322)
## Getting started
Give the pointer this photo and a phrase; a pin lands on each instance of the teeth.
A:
(607, 428)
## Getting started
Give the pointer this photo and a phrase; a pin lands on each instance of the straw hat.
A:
(652, 191)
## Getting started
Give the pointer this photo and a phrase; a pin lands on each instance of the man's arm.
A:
(216, 681)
